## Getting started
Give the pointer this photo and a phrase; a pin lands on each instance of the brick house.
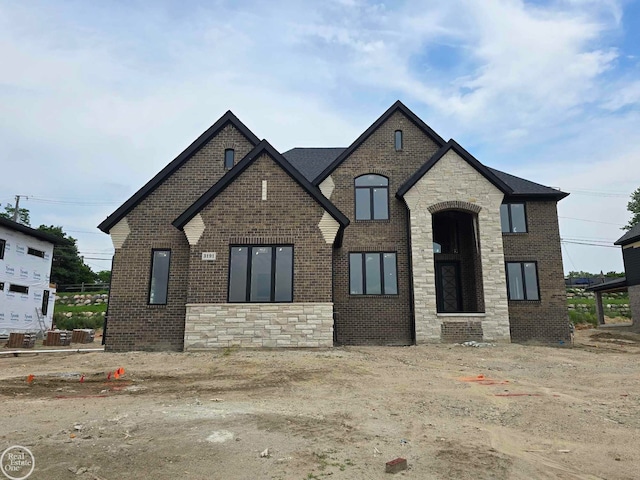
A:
(400, 238)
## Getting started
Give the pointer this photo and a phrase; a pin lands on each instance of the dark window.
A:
(159, 284)
(229, 158)
(261, 273)
(2, 244)
(373, 274)
(45, 302)
(398, 140)
(372, 197)
(35, 252)
(513, 218)
(522, 281)
(1, 286)
(18, 288)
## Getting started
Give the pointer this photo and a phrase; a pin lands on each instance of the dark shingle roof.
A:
(631, 236)
(523, 187)
(311, 162)
(18, 227)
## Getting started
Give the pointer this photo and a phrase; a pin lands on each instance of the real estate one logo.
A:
(17, 462)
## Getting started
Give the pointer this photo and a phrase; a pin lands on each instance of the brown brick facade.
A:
(545, 320)
(382, 319)
(240, 216)
(132, 323)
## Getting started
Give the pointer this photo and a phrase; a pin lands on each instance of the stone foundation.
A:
(218, 325)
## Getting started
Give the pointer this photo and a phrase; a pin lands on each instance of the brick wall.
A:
(132, 324)
(380, 320)
(259, 325)
(238, 215)
(545, 320)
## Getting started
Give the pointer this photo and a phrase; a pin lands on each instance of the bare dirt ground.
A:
(538, 412)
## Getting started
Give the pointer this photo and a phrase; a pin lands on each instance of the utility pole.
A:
(15, 212)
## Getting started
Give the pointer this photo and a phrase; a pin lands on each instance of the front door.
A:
(448, 287)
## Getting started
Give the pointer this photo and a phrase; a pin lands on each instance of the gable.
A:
(262, 153)
(228, 124)
(397, 107)
(450, 151)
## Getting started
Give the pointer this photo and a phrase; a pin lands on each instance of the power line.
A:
(566, 250)
(595, 193)
(590, 244)
(591, 221)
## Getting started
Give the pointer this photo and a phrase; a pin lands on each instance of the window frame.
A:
(247, 289)
(166, 300)
(3, 244)
(363, 256)
(35, 252)
(45, 302)
(233, 158)
(524, 281)
(26, 287)
(371, 200)
(510, 217)
(395, 140)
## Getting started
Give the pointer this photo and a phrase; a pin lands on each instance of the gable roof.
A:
(311, 162)
(151, 185)
(631, 236)
(470, 159)
(32, 232)
(231, 175)
(396, 107)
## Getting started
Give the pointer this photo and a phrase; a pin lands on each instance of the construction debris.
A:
(397, 465)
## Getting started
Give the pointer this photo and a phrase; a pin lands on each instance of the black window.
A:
(522, 281)
(229, 158)
(397, 138)
(1, 286)
(45, 302)
(2, 244)
(159, 284)
(18, 288)
(373, 273)
(35, 252)
(261, 273)
(513, 218)
(372, 197)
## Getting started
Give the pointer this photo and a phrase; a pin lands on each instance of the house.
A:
(400, 238)
(630, 243)
(27, 298)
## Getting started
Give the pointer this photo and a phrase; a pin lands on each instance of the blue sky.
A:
(98, 97)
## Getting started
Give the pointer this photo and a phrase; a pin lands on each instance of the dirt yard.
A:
(535, 412)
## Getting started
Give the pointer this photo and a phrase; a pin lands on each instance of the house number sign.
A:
(210, 256)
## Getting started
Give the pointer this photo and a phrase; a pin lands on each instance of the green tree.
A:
(68, 267)
(103, 276)
(23, 214)
(634, 208)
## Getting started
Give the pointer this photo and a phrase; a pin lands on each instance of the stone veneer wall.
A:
(258, 325)
(452, 179)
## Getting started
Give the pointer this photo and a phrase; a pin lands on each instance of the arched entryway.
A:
(457, 262)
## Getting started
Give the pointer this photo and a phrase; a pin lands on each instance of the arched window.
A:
(229, 158)
(372, 197)
(397, 139)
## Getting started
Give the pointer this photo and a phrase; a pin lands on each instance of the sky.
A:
(97, 97)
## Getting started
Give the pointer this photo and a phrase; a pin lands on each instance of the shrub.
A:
(69, 323)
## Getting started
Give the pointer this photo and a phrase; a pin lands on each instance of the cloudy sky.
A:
(97, 97)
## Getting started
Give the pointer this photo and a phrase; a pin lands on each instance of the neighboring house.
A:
(27, 298)
(400, 238)
(630, 243)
